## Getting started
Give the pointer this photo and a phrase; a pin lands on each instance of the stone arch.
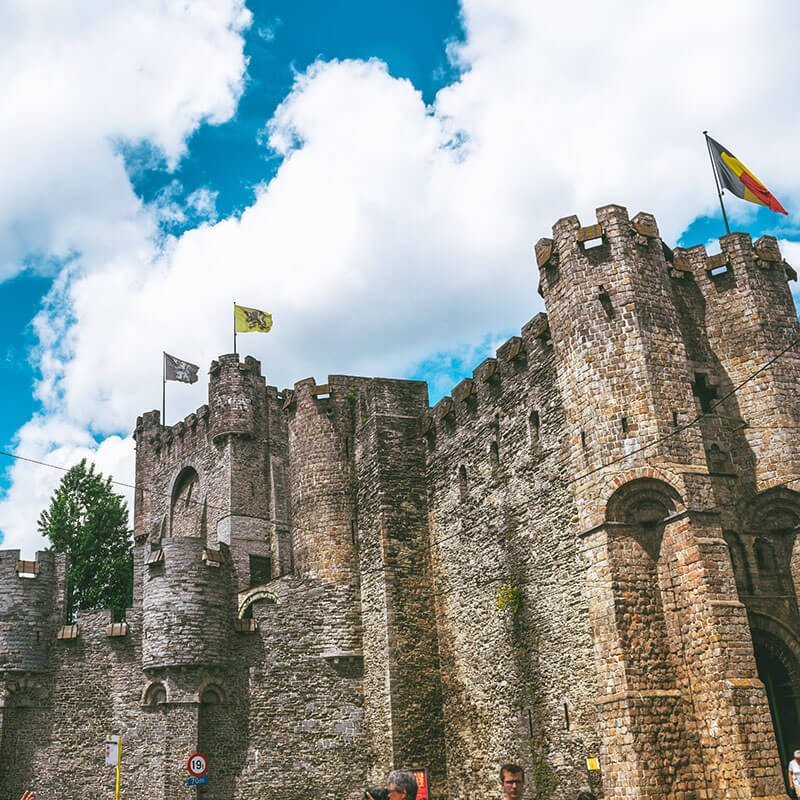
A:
(258, 593)
(640, 509)
(185, 503)
(643, 501)
(776, 509)
(777, 653)
(211, 692)
(599, 509)
(155, 694)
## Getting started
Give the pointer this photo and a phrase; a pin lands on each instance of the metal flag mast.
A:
(163, 387)
(234, 327)
(716, 181)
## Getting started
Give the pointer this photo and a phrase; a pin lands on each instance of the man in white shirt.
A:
(794, 772)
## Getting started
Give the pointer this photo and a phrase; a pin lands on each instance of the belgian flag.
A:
(735, 176)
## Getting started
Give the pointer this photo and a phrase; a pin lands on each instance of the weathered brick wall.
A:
(403, 687)
(518, 685)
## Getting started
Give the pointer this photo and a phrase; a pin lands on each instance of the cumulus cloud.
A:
(83, 81)
(395, 233)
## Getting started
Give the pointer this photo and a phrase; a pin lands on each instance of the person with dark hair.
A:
(512, 779)
(586, 796)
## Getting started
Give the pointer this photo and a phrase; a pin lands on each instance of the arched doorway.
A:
(779, 669)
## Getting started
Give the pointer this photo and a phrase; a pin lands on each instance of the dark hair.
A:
(511, 769)
(586, 796)
(401, 780)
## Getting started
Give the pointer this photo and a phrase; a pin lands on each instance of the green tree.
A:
(88, 521)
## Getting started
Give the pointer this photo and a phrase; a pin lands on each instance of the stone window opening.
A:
(533, 425)
(675, 418)
(583, 438)
(704, 392)
(260, 570)
(494, 458)
(624, 423)
(462, 482)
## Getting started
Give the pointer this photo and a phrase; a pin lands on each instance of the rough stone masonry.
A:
(588, 550)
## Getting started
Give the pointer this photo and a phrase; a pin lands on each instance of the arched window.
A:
(186, 505)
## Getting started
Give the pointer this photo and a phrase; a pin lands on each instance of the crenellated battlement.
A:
(530, 352)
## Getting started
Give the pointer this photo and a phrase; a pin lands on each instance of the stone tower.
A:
(655, 351)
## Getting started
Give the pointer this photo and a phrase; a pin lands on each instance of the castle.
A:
(587, 551)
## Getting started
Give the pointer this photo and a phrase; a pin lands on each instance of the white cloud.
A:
(393, 230)
(85, 78)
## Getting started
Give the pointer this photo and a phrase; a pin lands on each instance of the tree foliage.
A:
(88, 521)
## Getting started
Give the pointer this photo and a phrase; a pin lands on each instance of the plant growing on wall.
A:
(509, 597)
(88, 521)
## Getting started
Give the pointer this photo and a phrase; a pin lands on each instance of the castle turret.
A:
(322, 489)
(237, 400)
(188, 605)
(31, 605)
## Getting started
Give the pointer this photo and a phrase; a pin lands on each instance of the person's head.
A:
(797, 755)
(512, 778)
(402, 785)
(585, 796)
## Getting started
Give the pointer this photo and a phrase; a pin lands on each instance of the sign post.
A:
(114, 756)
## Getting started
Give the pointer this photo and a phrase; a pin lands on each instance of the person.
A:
(586, 796)
(794, 772)
(512, 779)
(27, 796)
(402, 786)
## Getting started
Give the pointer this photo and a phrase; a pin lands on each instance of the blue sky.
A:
(374, 175)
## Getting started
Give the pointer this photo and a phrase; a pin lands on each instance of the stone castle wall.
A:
(588, 549)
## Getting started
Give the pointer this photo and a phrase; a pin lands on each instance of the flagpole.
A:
(234, 326)
(716, 181)
(163, 388)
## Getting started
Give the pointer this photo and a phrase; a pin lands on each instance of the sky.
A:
(373, 174)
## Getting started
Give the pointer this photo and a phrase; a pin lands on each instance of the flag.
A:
(251, 320)
(177, 370)
(735, 176)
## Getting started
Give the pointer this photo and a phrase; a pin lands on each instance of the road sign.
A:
(197, 764)
(112, 750)
(195, 780)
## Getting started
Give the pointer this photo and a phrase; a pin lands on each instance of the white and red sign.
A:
(197, 764)
(112, 750)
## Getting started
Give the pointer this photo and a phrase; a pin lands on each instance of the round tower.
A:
(188, 605)
(235, 396)
(27, 592)
(322, 488)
